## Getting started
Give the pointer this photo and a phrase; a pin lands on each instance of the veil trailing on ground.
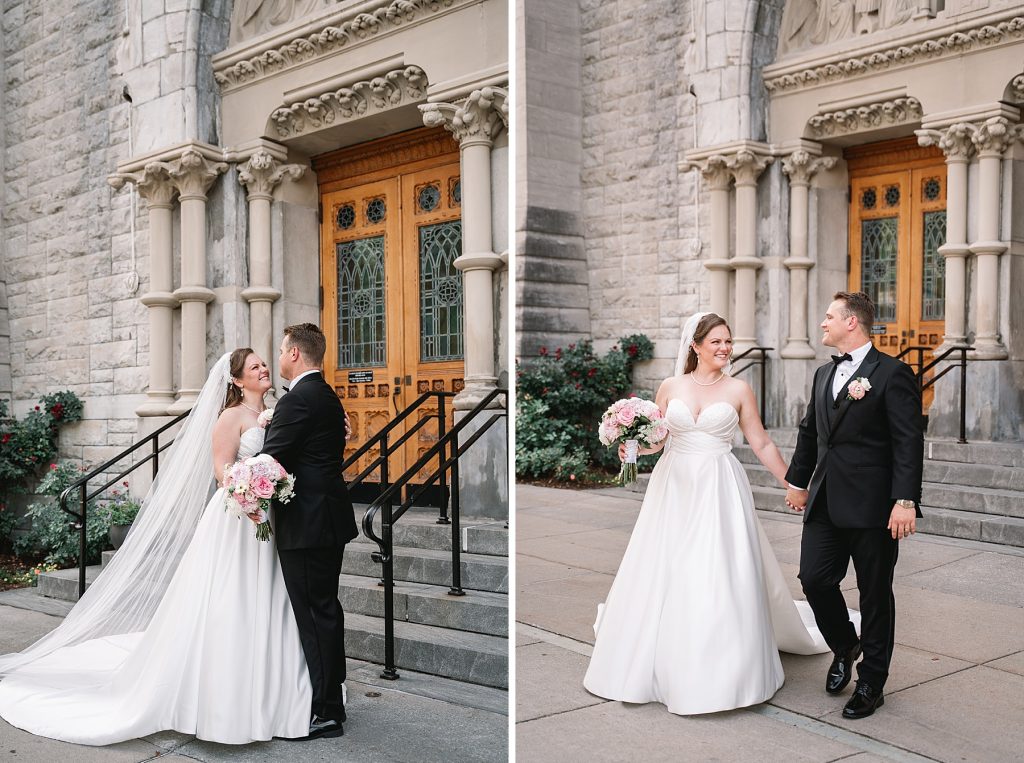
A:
(127, 593)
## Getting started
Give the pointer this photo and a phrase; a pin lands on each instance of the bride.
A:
(699, 608)
(189, 628)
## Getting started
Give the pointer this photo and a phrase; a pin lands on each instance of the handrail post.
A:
(389, 575)
(456, 589)
(82, 561)
(963, 396)
(156, 455)
(764, 389)
(442, 416)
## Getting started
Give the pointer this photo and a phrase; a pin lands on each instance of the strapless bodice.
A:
(710, 433)
(250, 443)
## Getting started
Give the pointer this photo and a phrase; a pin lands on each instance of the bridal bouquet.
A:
(250, 486)
(635, 422)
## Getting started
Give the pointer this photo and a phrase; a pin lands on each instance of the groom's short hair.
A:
(858, 303)
(309, 340)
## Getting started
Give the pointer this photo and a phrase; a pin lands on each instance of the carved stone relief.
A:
(358, 99)
(894, 112)
(251, 18)
(818, 22)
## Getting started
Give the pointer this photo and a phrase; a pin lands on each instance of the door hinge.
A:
(849, 194)
(321, 298)
(849, 264)
(320, 213)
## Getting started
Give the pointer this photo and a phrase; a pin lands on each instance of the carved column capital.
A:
(994, 135)
(477, 119)
(801, 166)
(956, 141)
(153, 183)
(191, 173)
(715, 171)
(262, 173)
(746, 166)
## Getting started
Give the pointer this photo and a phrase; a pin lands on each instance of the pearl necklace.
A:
(242, 403)
(708, 384)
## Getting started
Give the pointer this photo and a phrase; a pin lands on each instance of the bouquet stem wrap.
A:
(627, 475)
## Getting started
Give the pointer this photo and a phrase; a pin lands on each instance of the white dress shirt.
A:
(845, 369)
(303, 375)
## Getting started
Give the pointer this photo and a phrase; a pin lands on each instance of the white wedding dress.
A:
(220, 659)
(699, 608)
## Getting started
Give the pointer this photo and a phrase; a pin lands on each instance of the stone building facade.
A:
(178, 178)
(753, 158)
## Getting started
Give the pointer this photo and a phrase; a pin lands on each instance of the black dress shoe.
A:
(322, 727)
(841, 670)
(864, 701)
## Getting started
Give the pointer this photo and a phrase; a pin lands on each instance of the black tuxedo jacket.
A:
(867, 453)
(307, 436)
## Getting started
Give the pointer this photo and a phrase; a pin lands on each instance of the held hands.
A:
(902, 522)
(796, 498)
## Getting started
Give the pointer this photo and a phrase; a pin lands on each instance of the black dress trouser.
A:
(825, 553)
(311, 577)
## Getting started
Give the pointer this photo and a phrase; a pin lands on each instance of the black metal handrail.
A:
(447, 450)
(84, 496)
(762, 361)
(924, 384)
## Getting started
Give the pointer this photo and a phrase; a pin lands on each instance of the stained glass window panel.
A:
(878, 265)
(440, 292)
(361, 319)
(933, 287)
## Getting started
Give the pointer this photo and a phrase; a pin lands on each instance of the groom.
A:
(860, 451)
(307, 436)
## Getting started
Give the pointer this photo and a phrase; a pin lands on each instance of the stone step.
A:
(474, 657)
(63, 584)
(950, 523)
(480, 572)
(418, 528)
(981, 500)
(944, 472)
(476, 611)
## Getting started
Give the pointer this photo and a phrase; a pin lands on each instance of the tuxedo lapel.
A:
(842, 401)
(823, 398)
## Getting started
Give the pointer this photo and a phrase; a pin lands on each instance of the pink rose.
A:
(262, 486)
(856, 390)
(660, 433)
(626, 414)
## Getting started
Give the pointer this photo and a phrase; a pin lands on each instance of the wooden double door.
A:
(897, 224)
(392, 307)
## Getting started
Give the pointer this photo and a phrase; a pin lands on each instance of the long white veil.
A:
(124, 597)
(689, 328)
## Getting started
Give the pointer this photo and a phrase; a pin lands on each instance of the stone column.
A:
(955, 142)
(990, 139)
(260, 175)
(716, 173)
(475, 122)
(800, 166)
(746, 166)
(155, 186)
(192, 174)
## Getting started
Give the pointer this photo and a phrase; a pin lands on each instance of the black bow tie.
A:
(837, 359)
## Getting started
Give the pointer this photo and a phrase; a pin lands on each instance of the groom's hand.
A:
(796, 498)
(902, 522)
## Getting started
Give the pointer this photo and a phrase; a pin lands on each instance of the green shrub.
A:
(122, 507)
(560, 399)
(52, 532)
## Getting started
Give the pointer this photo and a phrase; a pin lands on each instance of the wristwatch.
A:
(906, 503)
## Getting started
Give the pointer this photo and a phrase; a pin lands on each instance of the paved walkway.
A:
(956, 691)
(416, 719)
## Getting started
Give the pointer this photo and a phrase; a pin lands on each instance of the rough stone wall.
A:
(74, 321)
(638, 209)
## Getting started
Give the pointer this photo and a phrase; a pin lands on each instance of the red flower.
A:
(592, 372)
(57, 411)
(558, 354)
(37, 407)
(543, 351)
(53, 466)
(6, 438)
(632, 350)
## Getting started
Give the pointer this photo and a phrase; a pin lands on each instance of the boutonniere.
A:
(858, 388)
(264, 418)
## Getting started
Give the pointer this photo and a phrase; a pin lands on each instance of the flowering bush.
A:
(559, 397)
(51, 532)
(122, 507)
(26, 445)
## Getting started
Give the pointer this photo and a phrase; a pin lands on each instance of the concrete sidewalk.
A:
(955, 693)
(417, 718)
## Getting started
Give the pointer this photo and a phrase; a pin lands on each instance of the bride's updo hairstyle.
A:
(704, 327)
(236, 366)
